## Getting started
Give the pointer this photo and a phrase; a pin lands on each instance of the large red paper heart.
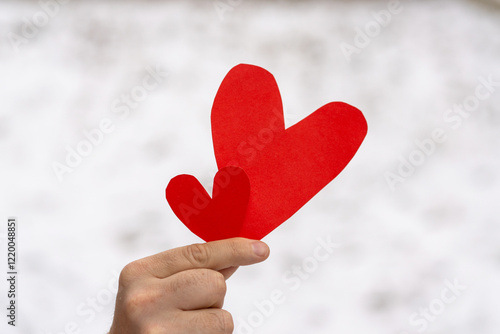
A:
(219, 217)
(285, 168)
(288, 167)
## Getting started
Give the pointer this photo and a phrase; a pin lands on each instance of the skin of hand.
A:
(182, 290)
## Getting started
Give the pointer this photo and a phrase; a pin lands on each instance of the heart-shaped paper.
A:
(279, 170)
(219, 217)
(288, 167)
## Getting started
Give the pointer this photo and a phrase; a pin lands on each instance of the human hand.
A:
(182, 290)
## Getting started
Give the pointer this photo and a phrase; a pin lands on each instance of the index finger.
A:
(216, 255)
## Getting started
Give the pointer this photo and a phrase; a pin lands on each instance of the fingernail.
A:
(259, 249)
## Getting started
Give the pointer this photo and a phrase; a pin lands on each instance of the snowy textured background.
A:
(396, 248)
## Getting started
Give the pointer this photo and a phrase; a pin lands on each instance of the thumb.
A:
(215, 255)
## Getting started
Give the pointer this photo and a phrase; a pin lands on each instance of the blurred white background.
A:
(64, 68)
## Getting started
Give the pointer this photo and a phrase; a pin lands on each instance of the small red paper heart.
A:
(219, 217)
(288, 167)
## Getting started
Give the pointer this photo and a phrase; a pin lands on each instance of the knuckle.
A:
(210, 280)
(152, 328)
(228, 322)
(197, 254)
(137, 302)
(129, 272)
(217, 283)
(179, 282)
(213, 280)
(235, 247)
(220, 321)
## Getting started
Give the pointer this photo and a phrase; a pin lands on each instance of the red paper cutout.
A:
(286, 168)
(219, 217)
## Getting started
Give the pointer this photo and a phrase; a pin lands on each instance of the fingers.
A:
(216, 255)
(196, 289)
